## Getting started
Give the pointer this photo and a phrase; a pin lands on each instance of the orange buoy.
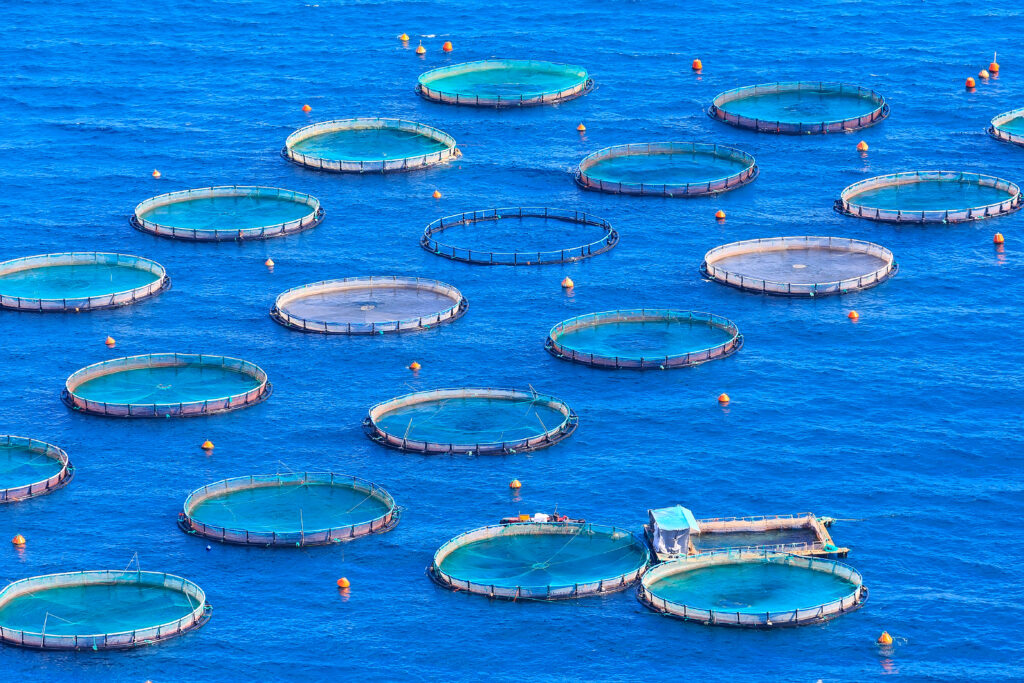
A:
(581, 128)
(110, 341)
(207, 445)
(514, 484)
(862, 146)
(885, 638)
(414, 366)
(343, 583)
(567, 283)
(269, 263)
(970, 83)
(437, 194)
(306, 108)
(447, 47)
(720, 215)
(994, 65)
(697, 65)
(998, 238)
(420, 50)
(723, 398)
(404, 38)
(18, 540)
(853, 315)
(156, 173)
(983, 75)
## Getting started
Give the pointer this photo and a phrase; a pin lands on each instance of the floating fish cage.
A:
(166, 385)
(800, 266)
(519, 236)
(752, 589)
(504, 83)
(78, 281)
(369, 145)
(540, 561)
(666, 169)
(800, 107)
(644, 338)
(230, 212)
(929, 197)
(30, 468)
(1009, 126)
(470, 421)
(295, 509)
(674, 532)
(106, 609)
(369, 305)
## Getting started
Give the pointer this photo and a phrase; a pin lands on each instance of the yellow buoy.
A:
(404, 38)
(269, 263)
(207, 445)
(581, 128)
(306, 108)
(720, 215)
(697, 65)
(998, 238)
(723, 398)
(862, 146)
(156, 173)
(109, 341)
(983, 75)
(420, 49)
(414, 366)
(567, 283)
(18, 540)
(885, 638)
(437, 194)
(447, 47)
(853, 315)
(343, 583)
(514, 484)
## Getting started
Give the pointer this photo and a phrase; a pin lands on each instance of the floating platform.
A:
(504, 83)
(519, 236)
(930, 197)
(293, 510)
(30, 468)
(369, 145)
(369, 305)
(78, 281)
(752, 589)
(800, 107)
(166, 385)
(470, 421)
(1009, 126)
(800, 266)
(644, 338)
(99, 610)
(666, 169)
(226, 213)
(540, 561)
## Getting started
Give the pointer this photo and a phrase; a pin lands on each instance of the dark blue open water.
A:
(908, 421)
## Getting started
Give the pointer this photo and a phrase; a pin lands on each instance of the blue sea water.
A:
(905, 425)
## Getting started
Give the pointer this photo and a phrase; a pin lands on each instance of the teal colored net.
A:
(804, 106)
(931, 195)
(1014, 125)
(634, 340)
(242, 212)
(740, 539)
(21, 466)
(471, 420)
(506, 79)
(166, 384)
(671, 168)
(74, 281)
(368, 144)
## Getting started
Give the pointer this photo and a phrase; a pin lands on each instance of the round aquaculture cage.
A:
(30, 468)
(519, 236)
(929, 197)
(472, 421)
(504, 83)
(540, 561)
(233, 212)
(800, 266)
(166, 385)
(800, 107)
(369, 145)
(369, 305)
(1009, 126)
(78, 281)
(106, 609)
(666, 169)
(644, 338)
(294, 509)
(754, 589)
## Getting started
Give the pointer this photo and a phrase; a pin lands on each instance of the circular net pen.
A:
(1009, 126)
(78, 281)
(504, 83)
(929, 197)
(519, 236)
(30, 468)
(470, 421)
(753, 589)
(369, 145)
(166, 385)
(800, 107)
(369, 305)
(644, 338)
(666, 169)
(540, 561)
(295, 509)
(105, 609)
(800, 266)
(234, 212)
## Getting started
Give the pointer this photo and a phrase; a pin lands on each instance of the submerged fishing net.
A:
(504, 83)
(930, 197)
(800, 107)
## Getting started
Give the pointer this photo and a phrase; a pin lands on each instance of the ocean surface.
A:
(905, 426)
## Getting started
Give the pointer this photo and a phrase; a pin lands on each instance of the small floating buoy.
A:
(581, 128)
(306, 108)
(998, 238)
(514, 484)
(207, 445)
(156, 173)
(447, 47)
(885, 638)
(567, 283)
(697, 65)
(110, 341)
(269, 263)
(18, 540)
(983, 75)
(344, 583)
(437, 194)
(862, 146)
(994, 65)
(853, 315)
(209, 548)
(420, 50)
(720, 215)
(414, 366)
(723, 398)
(970, 82)
(404, 38)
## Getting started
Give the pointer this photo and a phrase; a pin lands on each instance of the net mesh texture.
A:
(369, 145)
(930, 197)
(1009, 126)
(30, 468)
(504, 83)
(800, 107)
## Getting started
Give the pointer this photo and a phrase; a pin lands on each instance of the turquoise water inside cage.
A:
(1014, 125)
(73, 282)
(471, 420)
(228, 213)
(166, 384)
(539, 560)
(930, 195)
(802, 107)
(507, 82)
(677, 168)
(801, 265)
(740, 539)
(752, 587)
(290, 507)
(95, 609)
(644, 339)
(368, 144)
(20, 466)
(511, 234)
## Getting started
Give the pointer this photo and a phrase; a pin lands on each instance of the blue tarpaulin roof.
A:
(675, 518)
